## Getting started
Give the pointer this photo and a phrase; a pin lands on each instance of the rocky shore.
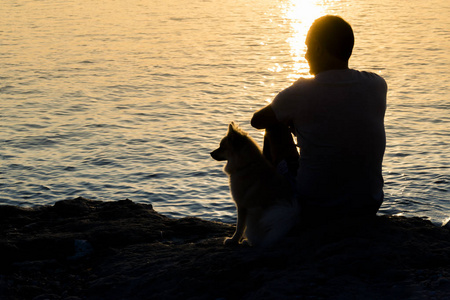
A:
(83, 249)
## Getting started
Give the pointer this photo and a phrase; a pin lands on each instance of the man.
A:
(338, 118)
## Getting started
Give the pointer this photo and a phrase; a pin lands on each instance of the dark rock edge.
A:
(84, 249)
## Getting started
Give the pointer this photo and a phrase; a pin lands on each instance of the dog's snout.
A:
(216, 154)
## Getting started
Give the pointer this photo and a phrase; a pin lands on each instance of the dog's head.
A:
(235, 140)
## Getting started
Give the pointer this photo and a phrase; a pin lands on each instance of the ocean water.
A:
(126, 99)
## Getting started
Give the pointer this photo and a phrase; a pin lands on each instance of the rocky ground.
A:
(83, 249)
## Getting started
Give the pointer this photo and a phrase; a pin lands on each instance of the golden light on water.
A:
(300, 14)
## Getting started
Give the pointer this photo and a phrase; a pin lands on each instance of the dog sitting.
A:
(266, 208)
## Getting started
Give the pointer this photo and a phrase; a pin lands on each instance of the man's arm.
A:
(264, 118)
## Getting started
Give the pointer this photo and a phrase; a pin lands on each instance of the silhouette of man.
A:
(338, 118)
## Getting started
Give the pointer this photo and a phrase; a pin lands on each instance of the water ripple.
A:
(133, 109)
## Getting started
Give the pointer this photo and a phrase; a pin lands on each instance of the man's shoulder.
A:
(371, 76)
(303, 81)
(301, 84)
(305, 86)
(297, 92)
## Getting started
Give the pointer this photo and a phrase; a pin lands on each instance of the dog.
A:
(266, 207)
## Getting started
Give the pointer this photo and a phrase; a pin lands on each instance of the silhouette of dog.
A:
(266, 208)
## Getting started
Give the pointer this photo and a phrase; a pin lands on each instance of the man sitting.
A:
(338, 118)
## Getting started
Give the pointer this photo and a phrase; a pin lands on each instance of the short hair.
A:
(335, 34)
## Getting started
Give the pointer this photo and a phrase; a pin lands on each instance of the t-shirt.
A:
(338, 118)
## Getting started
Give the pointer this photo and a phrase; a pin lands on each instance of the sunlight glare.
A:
(300, 14)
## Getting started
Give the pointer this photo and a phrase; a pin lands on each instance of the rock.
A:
(446, 224)
(84, 249)
(71, 208)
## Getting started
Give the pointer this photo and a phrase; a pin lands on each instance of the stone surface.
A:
(83, 249)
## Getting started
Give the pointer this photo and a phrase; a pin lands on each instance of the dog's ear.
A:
(236, 136)
(232, 129)
(232, 126)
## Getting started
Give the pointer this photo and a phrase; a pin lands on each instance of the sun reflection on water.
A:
(300, 14)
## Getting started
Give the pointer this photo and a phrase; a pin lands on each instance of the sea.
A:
(125, 99)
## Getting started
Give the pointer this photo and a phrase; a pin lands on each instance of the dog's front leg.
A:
(240, 228)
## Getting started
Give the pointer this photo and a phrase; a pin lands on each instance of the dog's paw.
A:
(231, 242)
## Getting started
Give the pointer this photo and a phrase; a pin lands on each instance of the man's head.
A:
(330, 43)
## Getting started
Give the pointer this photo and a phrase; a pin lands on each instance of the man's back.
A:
(339, 121)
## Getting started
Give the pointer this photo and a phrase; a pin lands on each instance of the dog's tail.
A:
(279, 220)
